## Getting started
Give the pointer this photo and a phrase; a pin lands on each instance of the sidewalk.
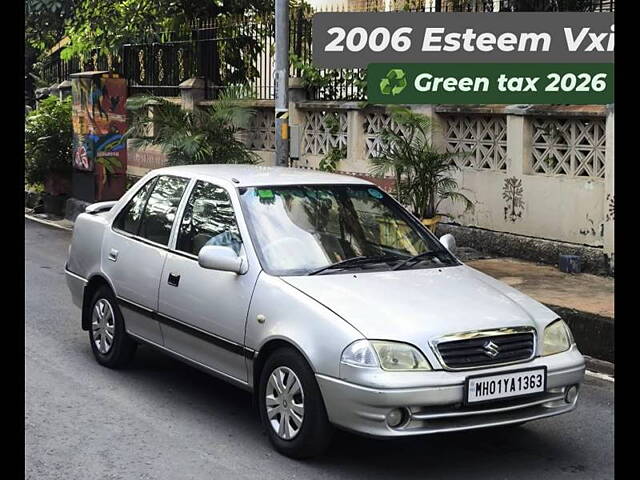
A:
(585, 292)
(583, 300)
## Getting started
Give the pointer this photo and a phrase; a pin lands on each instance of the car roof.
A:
(259, 175)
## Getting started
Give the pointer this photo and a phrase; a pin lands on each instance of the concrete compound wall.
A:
(537, 171)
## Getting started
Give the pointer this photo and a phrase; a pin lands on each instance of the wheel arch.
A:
(266, 350)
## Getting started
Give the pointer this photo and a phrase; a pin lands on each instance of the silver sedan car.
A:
(324, 297)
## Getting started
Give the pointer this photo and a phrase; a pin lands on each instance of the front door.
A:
(203, 312)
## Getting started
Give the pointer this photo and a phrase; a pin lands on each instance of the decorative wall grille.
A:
(374, 123)
(480, 140)
(324, 130)
(569, 146)
(262, 133)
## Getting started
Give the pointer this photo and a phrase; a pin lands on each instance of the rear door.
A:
(135, 249)
(203, 312)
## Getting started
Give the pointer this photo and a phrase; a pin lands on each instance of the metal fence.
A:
(241, 51)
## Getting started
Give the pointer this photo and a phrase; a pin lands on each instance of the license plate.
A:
(483, 388)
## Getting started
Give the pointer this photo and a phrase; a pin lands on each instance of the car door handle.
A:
(113, 255)
(174, 279)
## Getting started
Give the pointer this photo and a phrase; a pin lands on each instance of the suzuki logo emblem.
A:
(491, 349)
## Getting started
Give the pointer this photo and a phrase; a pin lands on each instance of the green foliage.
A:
(48, 140)
(330, 161)
(423, 175)
(34, 187)
(106, 24)
(311, 76)
(332, 158)
(44, 22)
(332, 80)
(205, 135)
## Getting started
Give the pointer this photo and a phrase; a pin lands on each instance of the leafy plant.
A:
(422, 174)
(204, 135)
(332, 81)
(332, 158)
(311, 76)
(330, 161)
(48, 140)
(34, 187)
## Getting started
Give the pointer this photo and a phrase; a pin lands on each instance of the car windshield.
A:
(302, 229)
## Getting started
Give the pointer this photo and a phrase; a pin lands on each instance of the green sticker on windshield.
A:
(265, 193)
(375, 193)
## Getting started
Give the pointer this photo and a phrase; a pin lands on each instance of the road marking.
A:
(601, 376)
(47, 222)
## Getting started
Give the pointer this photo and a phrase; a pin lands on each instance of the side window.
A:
(160, 209)
(129, 218)
(208, 220)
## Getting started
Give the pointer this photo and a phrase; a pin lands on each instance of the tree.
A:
(106, 24)
(44, 22)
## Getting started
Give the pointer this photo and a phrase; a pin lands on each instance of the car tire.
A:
(110, 343)
(308, 429)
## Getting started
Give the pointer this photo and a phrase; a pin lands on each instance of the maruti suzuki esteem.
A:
(324, 297)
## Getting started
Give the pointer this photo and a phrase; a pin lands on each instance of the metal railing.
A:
(241, 51)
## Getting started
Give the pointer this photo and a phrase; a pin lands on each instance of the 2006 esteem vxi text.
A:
(324, 297)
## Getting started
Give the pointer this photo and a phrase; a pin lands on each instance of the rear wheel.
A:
(110, 343)
(291, 406)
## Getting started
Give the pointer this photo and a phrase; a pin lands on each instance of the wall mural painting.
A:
(99, 123)
(512, 193)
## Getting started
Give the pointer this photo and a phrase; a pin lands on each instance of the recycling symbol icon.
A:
(394, 83)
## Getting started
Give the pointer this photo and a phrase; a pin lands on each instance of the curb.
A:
(50, 223)
(600, 368)
(594, 334)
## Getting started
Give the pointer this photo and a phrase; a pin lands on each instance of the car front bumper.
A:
(437, 405)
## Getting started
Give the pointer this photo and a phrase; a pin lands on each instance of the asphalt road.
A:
(160, 419)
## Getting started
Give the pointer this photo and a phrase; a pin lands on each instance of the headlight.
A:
(400, 356)
(388, 355)
(557, 338)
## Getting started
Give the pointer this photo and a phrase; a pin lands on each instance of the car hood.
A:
(418, 305)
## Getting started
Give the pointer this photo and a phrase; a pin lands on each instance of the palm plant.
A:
(186, 137)
(422, 174)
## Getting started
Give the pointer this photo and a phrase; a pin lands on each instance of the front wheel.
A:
(291, 406)
(110, 343)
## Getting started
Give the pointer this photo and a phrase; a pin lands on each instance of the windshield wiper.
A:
(416, 258)
(354, 261)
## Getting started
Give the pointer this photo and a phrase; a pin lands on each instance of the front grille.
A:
(487, 350)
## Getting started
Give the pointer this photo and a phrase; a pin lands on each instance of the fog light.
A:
(395, 417)
(571, 394)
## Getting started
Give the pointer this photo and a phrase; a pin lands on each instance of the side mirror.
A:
(449, 242)
(215, 257)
